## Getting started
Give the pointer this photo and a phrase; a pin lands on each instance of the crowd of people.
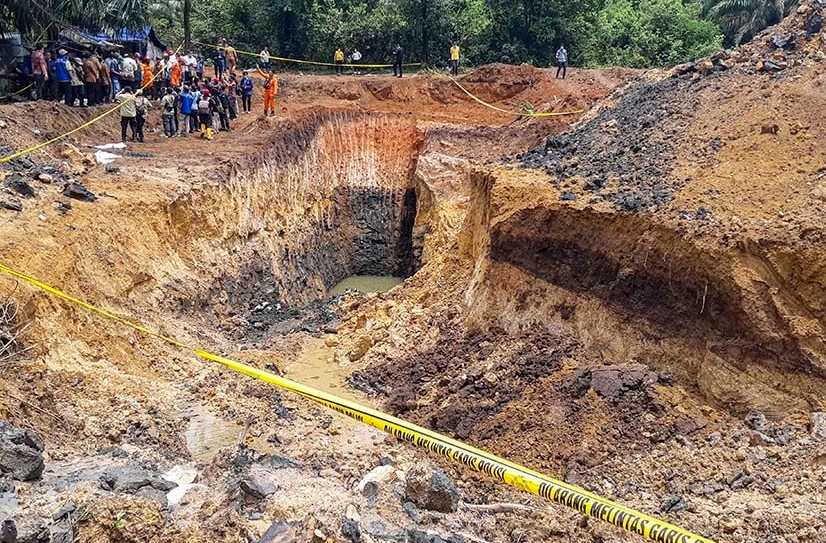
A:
(190, 101)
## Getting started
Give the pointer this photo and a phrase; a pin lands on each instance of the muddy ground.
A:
(633, 303)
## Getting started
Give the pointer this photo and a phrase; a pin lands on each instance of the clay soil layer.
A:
(618, 299)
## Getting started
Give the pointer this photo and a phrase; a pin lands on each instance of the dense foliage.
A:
(636, 33)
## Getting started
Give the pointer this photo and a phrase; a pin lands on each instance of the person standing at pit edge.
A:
(246, 92)
(40, 69)
(127, 113)
(561, 60)
(356, 60)
(454, 60)
(398, 60)
(339, 59)
(270, 90)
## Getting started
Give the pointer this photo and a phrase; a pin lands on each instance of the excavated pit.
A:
(333, 199)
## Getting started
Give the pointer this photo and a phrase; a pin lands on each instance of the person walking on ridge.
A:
(232, 57)
(561, 60)
(454, 60)
(270, 90)
(398, 60)
(356, 60)
(339, 59)
(265, 59)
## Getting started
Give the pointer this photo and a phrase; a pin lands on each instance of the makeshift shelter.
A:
(143, 41)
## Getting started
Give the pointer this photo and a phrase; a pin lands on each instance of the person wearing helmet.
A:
(205, 108)
(270, 90)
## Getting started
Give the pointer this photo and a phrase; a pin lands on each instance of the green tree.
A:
(742, 19)
(35, 18)
(649, 33)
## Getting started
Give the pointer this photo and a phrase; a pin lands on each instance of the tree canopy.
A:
(635, 33)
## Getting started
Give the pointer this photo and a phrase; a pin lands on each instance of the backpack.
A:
(203, 106)
(141, 108)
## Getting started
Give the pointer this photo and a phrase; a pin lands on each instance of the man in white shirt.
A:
(265, 59)
(356, 60)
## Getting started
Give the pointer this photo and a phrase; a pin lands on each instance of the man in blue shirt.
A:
(190, 123)
(561, 60)
(63, 78)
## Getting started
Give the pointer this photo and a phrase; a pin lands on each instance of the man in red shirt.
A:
(40, 70)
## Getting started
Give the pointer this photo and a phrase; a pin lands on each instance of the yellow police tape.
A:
(519, 113)
(297, 61)
(76, 129)
(15, 93)
(518, 476)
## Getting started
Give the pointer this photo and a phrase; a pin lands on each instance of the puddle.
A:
(207, 434)
(366, 284)
(316, 367)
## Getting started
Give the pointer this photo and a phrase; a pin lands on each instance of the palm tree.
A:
(742, 19)
(38, 17)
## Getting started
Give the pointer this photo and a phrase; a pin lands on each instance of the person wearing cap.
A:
(40, 70)
(128, 112)
(63, 78)
(76, 73)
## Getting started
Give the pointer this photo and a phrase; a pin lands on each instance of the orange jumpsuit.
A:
(175, 74)
(147, 75)
(270, 90)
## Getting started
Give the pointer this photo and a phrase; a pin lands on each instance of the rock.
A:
(68, 508)
(29, 529)
(730, 525)
(76, 190)
(8, 531)
(21, 452)
(258, 487)
(128, 479)
(377, 475)
(319, 536)
(688, 67)
(17, 183)
(770, 129)
(151, 493)
(755, 419)
(351, 531)
(429, 488)
(63, 207)
(739, 480)
(412, 512)
(814, 25)
(61, 532)
(705, 67)
(567, 196)
(818, 425)
(112, 168)
(783, 41)
(11, 204)
(279, 532)
(673, 503)
(770, 65)
(45, 178)
(360, 348)
(352, 513)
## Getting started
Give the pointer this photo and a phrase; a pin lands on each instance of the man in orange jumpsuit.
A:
(270, 90)
(175, 74)
(147, 81)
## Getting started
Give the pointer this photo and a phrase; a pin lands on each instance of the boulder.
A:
(429, 488)
(21, 452)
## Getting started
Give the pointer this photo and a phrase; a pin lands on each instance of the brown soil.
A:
(632, 353)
